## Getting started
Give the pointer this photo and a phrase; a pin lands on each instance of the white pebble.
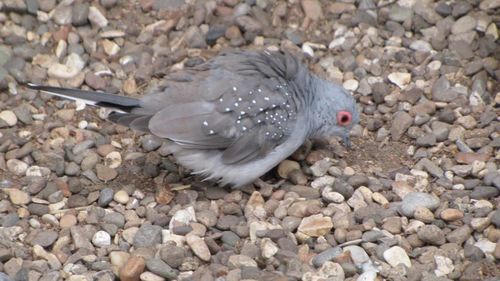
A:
(400, 79)
(114, 159)
(9, 117)
(121, 197)
(351, 85)
(101, 239)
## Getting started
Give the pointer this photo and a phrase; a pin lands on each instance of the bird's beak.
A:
(346, 139)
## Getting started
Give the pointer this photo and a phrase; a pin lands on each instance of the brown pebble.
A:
(63, 187)
(105, 149)
(67, 221)
(451, 214)
(163, 194)
(105, 173)
(469, 157)
(62, 33)
(132, 270)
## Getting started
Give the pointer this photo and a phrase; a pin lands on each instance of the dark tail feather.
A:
(120, 103)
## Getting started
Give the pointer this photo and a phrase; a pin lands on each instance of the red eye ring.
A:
(344, 118)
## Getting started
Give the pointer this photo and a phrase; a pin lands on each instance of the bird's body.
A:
(236, 116)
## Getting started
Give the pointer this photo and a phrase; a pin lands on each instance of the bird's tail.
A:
(124, 109)
(117, 103)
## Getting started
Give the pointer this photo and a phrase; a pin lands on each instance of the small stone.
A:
(459, 235)
(413, 200)
(18, 197)
(172, 255)
(118, 258)
(451, 214)
(97, 18)
(121, 197)
(101, 239)
(400, 79)
(327, 255)
(45, 238)
(444, 266)
(148, 235)
(106, 196)
(199, 247)
(160, 268)
(67, 221)
(286, 167)
(315, 225)
(358, 254)
(62, 71)
(423, 214)
(194, 38)
(110, 47)
(9, 117)
(105, 173)
(464, 24)
(132, 269)
(17, 167)
(149, 276)
(237, 261)
(431, 234)
(39, 251)
(312, 9)
(397, 255)
(404, 121)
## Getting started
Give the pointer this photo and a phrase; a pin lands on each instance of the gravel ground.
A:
(417, 198)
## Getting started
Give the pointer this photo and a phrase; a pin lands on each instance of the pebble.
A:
(118, 258)
(312, 9)
(106, 196)
(17, 167)
(132, 269)
(397, 255)
(325, 256)
(315, 225)
(9, 117)
(451, 214)
(18, 197)
(414, 200)
(101, 239)
(148, 235)
(67, 221)
(106, 173)
(121, 197)
(160, 268)
(238, 261)
(199, 247)
(444, 266)
(431, 234)
(400, 79)
(96, 17)
(400, 127)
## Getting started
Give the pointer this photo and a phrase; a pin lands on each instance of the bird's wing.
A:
(239, 109)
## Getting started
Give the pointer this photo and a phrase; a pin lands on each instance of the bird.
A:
(234, 117)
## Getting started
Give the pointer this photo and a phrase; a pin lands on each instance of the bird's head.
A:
(334, 111)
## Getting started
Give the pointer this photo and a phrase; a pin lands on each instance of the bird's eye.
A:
(344, 118)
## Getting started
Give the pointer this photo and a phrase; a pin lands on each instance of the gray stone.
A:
(414, 200)
(399, 127)
(45, 238)
(105, 197)
(484, 192)
(194, 38)
(148, 235)
(172, 255)
(431, 234)
(160, 268)
(326, 255)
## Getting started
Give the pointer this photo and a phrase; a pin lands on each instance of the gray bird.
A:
(236, 116)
